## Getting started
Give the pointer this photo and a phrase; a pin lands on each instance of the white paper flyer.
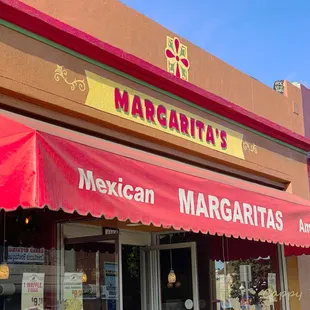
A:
(33, 291)
(26, 255)
(272, 286)
(73, 291)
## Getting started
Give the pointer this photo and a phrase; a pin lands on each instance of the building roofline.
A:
(29, 18)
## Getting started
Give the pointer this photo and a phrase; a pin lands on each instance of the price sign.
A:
(32, 291)
(73, 291)
(37, 301)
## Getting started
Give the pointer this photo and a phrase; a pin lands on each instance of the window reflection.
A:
(219, 260)
(85, 271)
(131, 277)
(91, 267)
(231, 286)
(31, 257)
(246, 280)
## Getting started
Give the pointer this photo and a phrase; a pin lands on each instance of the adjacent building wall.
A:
(303, 262)
(304, 283)
(305, 92)
(293, 283)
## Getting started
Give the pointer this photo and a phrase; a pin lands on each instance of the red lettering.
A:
(184, 124)
(210, 135)
(149, 111)
(34, 284)
(223, 136)
(121, 101)
(173, 121)
(201, 127)
(136, 109)
(33, 290)
(162, 115)
(192, 122)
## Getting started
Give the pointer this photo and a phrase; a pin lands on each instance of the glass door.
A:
(90, 273)
(169, 277)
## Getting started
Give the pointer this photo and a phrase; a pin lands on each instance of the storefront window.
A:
(90, 267)
(247, 276)
(233, 273)
(81, 274)
(90, 278)
(31, 259)
(75, 265)
(234, 291)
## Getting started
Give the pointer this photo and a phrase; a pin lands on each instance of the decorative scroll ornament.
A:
(251, 147)
(278, 86)
(177, 58)
(61, 74)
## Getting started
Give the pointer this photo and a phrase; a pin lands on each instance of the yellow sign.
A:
(113, 98)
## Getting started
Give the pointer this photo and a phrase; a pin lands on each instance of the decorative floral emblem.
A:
(177, 61)
(61, 73)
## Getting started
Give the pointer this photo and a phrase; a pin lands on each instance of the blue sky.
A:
(266, 39)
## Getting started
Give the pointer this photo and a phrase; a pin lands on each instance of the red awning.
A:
(296, 251)
(47, 166)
